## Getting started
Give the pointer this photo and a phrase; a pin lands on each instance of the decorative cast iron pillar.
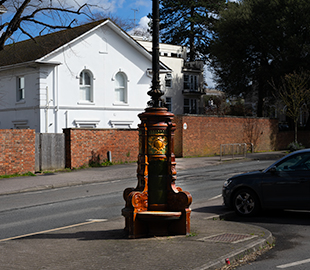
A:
(156, 206)
(155, 92)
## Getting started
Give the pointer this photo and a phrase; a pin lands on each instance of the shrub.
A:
(294, 146)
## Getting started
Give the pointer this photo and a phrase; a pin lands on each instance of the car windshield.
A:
(298, 162)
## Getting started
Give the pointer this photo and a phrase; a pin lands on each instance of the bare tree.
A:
(252, 131)
(26, 15)
(125, 24)
(294, 92)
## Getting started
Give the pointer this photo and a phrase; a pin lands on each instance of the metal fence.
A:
(233, 151)
(50, 151)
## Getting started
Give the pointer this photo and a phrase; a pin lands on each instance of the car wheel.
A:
(245, 203)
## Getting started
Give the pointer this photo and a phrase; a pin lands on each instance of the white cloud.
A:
(144, 23)
(142, 26)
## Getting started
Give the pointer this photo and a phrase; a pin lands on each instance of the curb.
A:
(241, 252)
(47, 187)
(220, 262)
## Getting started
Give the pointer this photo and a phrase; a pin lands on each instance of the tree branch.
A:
(18, 18)
(13, 24)
(50, 25)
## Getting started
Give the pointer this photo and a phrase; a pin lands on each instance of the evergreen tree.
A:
(188, 23)
(259, 41)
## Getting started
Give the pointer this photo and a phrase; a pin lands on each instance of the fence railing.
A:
(234, 150)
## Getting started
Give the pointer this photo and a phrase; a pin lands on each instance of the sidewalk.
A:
(101, 244)
(93, 175)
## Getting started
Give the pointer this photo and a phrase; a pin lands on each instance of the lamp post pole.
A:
(155, 92)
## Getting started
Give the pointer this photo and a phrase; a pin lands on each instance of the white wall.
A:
(54, 100)
(20, 113)
(175, 64)
(104, 53)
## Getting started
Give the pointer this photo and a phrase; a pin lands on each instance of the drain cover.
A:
(228, 238)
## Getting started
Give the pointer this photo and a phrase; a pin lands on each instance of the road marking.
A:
(96, 220)
(215, 197)
(293, 263)
(89, 221)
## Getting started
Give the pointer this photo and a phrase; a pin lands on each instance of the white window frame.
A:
(191, 82)
(169, 104)
(20, 88)
(121, 90)
(168, 80)
(121, 124)
(80, 123)
(86, 88)
(192, 106)
(20, 124)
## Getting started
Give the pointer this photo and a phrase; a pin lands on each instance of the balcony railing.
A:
(198, 91)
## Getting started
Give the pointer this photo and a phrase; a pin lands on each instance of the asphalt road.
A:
(32, 212)
(292, 233)
(38, 211)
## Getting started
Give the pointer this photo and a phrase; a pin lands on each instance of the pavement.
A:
(102, 244)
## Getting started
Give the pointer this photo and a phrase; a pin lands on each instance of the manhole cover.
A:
(228, 238)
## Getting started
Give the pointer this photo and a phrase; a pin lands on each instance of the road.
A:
(32, 212)
(292, 233)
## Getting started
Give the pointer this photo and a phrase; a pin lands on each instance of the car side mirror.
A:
(273, 169)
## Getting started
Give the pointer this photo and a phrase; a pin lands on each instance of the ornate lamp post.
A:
(155, 92)
(156, 206)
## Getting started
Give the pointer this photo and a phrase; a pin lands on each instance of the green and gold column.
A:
(154, 144)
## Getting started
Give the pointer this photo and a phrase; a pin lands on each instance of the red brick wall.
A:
(203, 137)
(84, 146)
(17, 151)
(205, 134)
(286, 137)
(178, 137)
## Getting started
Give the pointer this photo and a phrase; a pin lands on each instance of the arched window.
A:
(86, 86)
(121, 87)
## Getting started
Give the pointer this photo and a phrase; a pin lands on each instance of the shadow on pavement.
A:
(213, 209)
(82, 235)
(292, 217)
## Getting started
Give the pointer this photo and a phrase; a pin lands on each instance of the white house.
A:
(184, 84)
(94, 75)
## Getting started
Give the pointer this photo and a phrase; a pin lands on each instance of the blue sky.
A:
(125, 9)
